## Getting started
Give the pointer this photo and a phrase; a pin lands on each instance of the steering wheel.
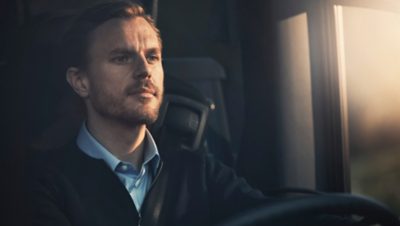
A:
(292, 211)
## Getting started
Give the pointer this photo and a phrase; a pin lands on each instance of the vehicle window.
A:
(369, 50)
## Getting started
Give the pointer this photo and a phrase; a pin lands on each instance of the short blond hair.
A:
(76, 40)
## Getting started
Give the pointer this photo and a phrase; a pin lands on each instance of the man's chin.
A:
(140, 119)
(148, 120)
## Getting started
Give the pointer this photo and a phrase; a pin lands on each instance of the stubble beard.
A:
(113, 108)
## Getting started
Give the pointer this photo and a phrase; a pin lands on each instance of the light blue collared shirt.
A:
(136, 181)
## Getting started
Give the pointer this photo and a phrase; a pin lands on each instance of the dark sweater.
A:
(67, 187)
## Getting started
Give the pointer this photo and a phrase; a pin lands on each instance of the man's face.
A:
(124, 71)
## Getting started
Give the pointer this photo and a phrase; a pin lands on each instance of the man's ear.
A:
(79, 82)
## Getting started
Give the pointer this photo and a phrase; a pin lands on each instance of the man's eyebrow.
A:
(155, 50)
(122, 51)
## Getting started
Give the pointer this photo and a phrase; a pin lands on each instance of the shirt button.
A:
(124, 167)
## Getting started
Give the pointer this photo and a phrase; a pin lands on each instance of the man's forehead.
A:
(123, 32)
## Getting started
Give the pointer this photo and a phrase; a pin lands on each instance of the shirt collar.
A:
(92, 147)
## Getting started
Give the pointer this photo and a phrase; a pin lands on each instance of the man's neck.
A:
(124, 142)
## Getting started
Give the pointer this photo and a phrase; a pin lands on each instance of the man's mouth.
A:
(144, 92)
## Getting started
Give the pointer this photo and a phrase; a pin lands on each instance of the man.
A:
(114, 174)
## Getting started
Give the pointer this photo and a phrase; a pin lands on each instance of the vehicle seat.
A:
(198, 79)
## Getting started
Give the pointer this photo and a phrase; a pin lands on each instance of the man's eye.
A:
(153, 58)
(121, 59)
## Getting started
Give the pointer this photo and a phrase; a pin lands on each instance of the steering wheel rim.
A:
(331, 204)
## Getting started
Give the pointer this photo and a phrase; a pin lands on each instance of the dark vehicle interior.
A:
(300, 97)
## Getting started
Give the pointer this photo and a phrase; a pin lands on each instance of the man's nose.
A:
(142, 68)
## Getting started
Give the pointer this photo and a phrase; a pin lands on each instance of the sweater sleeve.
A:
(45, 207)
